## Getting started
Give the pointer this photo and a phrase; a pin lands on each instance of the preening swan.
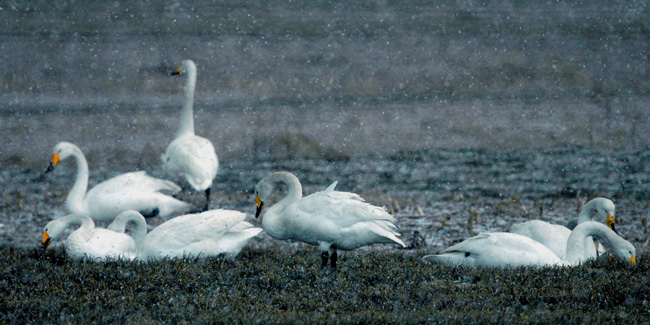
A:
(131, 191)
(330, 219)
(190, 158)
(211, 233)
(89, 242)
(507, 249)
(555, 236)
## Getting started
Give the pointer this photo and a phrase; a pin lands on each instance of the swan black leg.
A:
(325, 256)
(333, 259)
(207, 200)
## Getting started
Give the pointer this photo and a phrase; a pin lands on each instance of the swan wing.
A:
(194, 234)
(496, 250)
(103, 244)
(339, 218)
(134, 181)
(554, 237)
(193, 159)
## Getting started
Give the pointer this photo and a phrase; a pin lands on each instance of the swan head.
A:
(185, 67)
(606, 210)
(263, 191)
(52, 230)
(626, 252)
(61, 151)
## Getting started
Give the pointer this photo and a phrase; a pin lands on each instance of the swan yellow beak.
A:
(632, 260)
(611, 220)
(177, 71)
(260, 204)
(46, 240)
(55, 160)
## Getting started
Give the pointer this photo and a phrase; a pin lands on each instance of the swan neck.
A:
(186, 126)
(86, 224)
(74, 202)
(294, 189)
(139, 231)
(586, 212)
(576, 250)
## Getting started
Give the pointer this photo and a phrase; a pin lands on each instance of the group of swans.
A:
(329, 219)
(210, 233)
(537, 243)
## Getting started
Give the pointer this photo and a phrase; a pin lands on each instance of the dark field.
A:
(458, 117)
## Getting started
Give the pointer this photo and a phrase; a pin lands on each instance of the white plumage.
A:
(211, 233)
(130, 191)
(507, 249)
(330, 219)
(88, 242)
(555, 237)
(190, 158)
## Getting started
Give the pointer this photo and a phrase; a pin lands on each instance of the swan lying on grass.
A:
(88, 242)
(555, 237)
(131, 191)
(210, 233)
(507, 249)
(190, 158)
(329, 219)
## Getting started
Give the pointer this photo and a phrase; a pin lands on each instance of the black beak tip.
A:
(614, 228)
(49, 168)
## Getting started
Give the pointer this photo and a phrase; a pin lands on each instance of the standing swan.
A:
(555, 236)
(503, 249)
(330, 219)
(189, 157)
(211, 233)
(130, 191)
(90, 242)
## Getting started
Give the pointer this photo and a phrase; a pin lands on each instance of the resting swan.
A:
(210, 233)
(130, 191)
(89, 242)
(329, 219)
(191, 158)
(555, 236)
(503, 249)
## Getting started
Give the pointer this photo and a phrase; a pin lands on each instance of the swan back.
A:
(497, 250)
(214, 232)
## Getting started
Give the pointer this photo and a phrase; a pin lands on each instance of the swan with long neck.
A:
(130, 191)
(504, 249)
(88, 242)
(555, 236)
(329, 219)
(189, 158)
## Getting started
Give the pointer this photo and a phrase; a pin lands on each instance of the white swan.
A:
(507, 249)
(130, 191)
(555, 236)
(210, 233)
(190, 158)
(330, 219)
(89, 242)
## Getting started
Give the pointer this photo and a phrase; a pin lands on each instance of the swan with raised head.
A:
(190, 158)
(504, 249)
(555, 236)
(131, 191)
(88, 242)
(329, 219)
(210, 233)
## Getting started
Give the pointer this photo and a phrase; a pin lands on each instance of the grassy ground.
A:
(281, 285)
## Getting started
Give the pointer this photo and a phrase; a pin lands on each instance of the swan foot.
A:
(151, 214)
(325, 257)
(207, 200)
